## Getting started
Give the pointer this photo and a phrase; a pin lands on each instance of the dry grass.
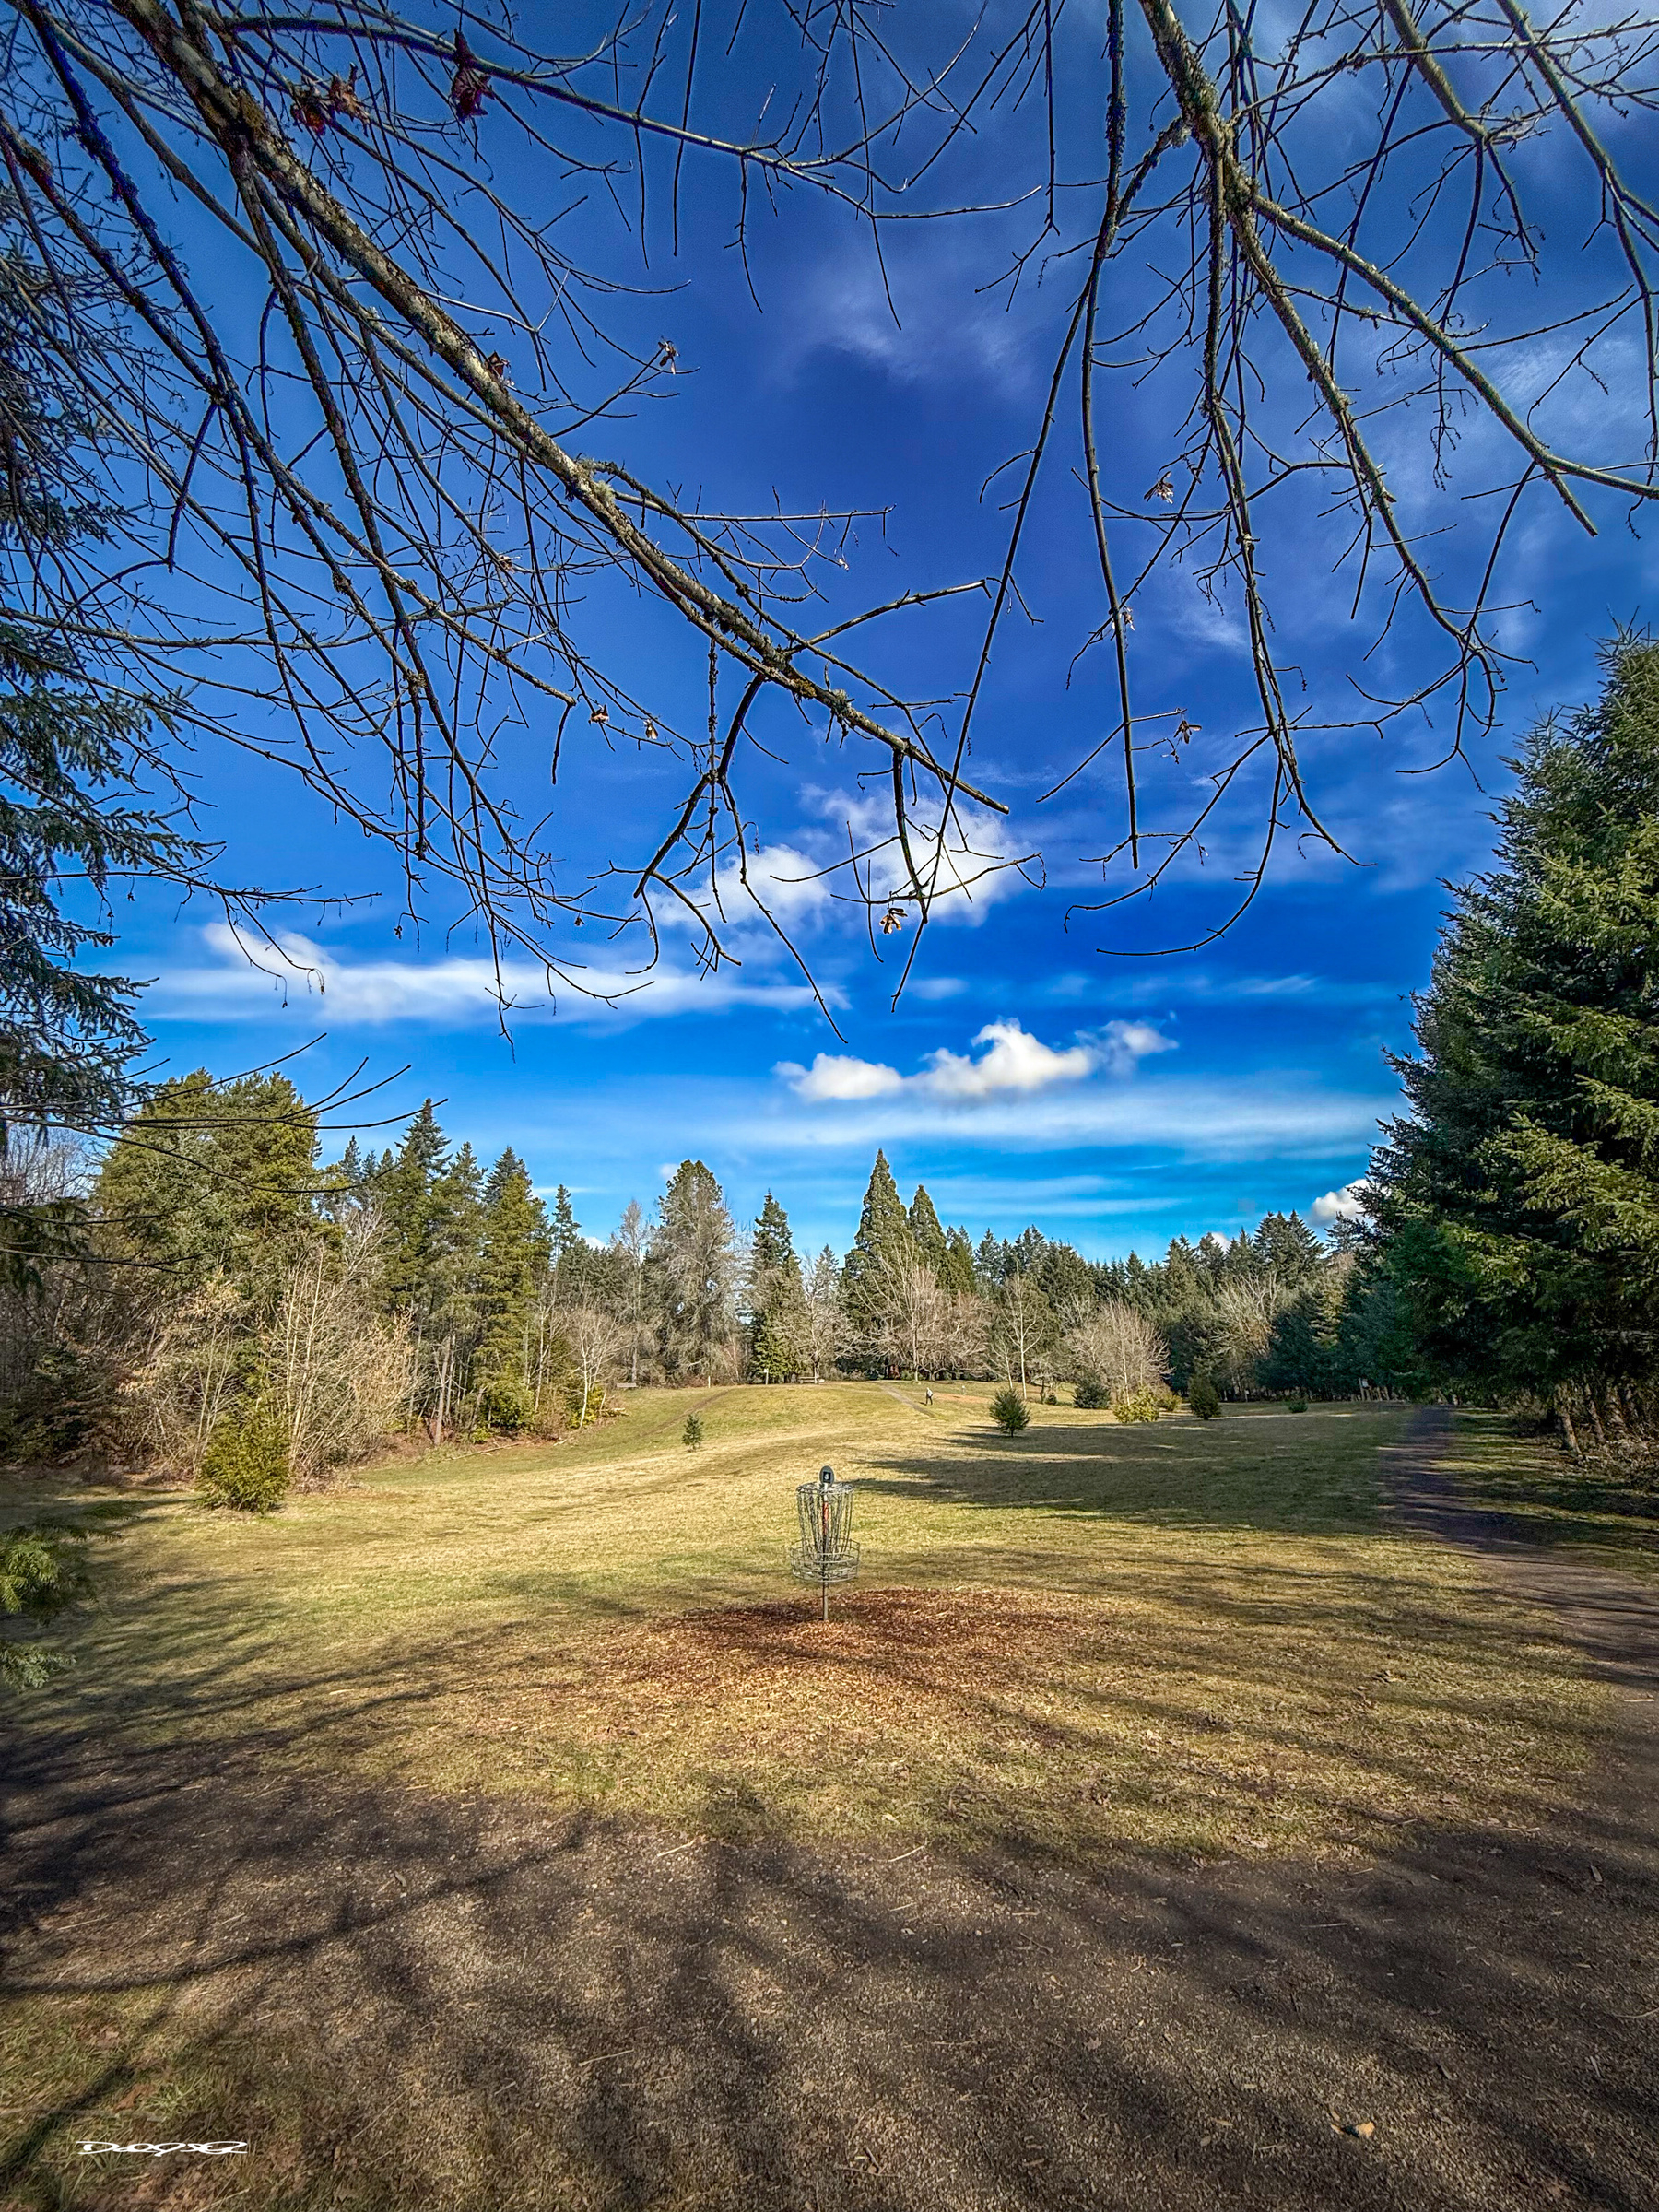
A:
(1078, 1640)
(1603, 1510)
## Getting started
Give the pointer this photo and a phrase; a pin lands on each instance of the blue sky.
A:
(1043, 1064)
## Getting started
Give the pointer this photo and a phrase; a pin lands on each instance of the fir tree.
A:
(72, 738)
(989, 1262)
(512, 1264)
(884, 1241)
(780, 1345)
(569, 1248)
(216, 1178)
(928, 1235)
(1288, 1248)
(957, 1275)
(694, 1260)
(1520, 1202)
(403, 1191)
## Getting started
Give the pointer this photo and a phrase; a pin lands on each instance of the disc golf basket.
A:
(826, 1552)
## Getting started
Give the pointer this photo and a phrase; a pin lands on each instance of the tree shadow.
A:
(399, 2000)
(1308, 1476)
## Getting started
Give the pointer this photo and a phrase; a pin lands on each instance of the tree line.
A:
(244, 1287)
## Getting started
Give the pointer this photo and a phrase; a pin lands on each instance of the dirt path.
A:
(483, 2009)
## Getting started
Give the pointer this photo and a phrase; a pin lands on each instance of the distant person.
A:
(930, 1398)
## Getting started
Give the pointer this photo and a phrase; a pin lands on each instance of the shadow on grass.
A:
(405, 2002)
(1315, 1476)
(1545, 1498)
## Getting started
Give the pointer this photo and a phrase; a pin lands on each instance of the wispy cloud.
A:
(242, 980)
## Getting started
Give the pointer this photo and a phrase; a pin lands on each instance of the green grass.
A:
(1552, 1500)
(1077, 1640)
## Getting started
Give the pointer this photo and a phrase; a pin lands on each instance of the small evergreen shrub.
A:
(506, 1406)
(1089, 1394)
(1204, 1398)
(41, 1571)
(691, 1435)
(1009, 1410)
(1298, 1406)
(1138, 1405)
(246, 1464)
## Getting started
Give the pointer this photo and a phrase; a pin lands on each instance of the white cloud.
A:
(1014, 1064)
(245, 977)
(839, 1076)
(1345, 1205)
(1124, 1044)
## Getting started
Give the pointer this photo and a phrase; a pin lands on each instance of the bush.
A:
(1090, 1392)
(583, 1410)
(1298, 1406)
(246, 1464)
(1009, 1410)
(691, 1435)
(41, 1571)
(505, 1407)
(1204, 1398)
(1138, 1405)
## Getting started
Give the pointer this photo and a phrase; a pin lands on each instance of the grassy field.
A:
(1551, 1500)
(1080, 1641)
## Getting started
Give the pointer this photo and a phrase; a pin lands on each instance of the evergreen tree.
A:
(1063, 1275)
(957, 1275)
(927, 1234)
(989, 1262)
(216, 1178)
(1285, 1247)
(513, 1254)
(694, 1265)
(780, 1344)
(569, 1248)
(1520, 1201)
(883, 1244)
(403, 1191)
(72, 739)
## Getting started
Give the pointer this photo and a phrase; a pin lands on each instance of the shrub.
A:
(1137, 1406)
(1090, 1392)
(246, 1464)
(41, 1571)
(691, 1435)
(1298, 1405)
(505, 1407)
(583, 1409)
(1204, 1397)
(1009, 1410)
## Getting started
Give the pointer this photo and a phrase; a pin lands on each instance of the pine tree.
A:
(1520, 1202)
(884, 1243)
(989, 1262)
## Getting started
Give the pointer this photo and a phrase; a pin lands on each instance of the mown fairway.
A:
(507, 1830)
(1176, 1635)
